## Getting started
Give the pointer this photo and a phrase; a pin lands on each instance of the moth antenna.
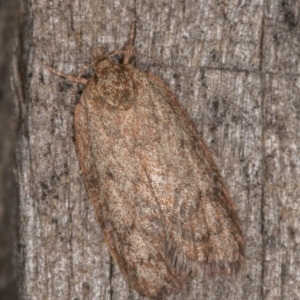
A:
(129, 50)
(71, 78)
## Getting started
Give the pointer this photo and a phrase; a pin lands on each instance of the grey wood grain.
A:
(11, 21)
(237, 52)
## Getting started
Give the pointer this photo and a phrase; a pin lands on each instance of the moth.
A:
(163, 207)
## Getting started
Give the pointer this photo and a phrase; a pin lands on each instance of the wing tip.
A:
(182, 264)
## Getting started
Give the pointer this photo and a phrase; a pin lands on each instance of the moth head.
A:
(113, 83)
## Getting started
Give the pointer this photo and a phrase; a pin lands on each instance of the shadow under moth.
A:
(160, 200)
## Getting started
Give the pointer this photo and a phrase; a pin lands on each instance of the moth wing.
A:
(121, 196)
(203, 230)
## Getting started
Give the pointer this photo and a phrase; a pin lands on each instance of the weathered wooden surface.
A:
(247, 52)
(11, 16)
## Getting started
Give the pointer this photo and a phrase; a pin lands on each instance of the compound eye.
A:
(90, 71)
(116, 59)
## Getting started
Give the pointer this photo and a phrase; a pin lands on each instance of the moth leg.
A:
(71, 78)
(97, 53)
(129, 50)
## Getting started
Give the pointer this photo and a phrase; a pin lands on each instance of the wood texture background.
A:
(11, 20)
(244, 51)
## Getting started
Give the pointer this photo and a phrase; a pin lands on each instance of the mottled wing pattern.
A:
(162, 205)
(203, 230)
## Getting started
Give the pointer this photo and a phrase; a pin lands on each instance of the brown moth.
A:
(161, 202)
